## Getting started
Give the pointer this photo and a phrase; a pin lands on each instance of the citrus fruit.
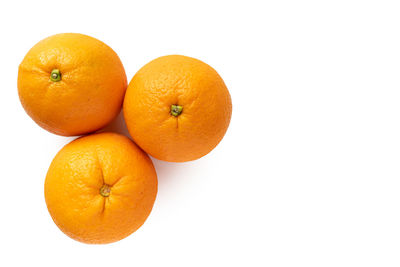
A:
(71, 84)
(177, 108)
(100, 188)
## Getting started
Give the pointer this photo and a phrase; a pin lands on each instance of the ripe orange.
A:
(71, 84)
(100, 188)
(177, 108)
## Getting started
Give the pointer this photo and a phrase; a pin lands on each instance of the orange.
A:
(100, 188)
(177, 108)
(71, 84)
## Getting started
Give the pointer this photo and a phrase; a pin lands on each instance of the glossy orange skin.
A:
(78, 172)
(183, 81)
(90, 92)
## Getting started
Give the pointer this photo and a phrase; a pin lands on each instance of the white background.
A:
(308, 172)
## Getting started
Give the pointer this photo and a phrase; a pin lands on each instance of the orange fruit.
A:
(71, 84)
(177, 108)
(100, 188)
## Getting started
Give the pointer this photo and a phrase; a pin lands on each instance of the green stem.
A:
(55, 75)
(176, 110)
(105, 190)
